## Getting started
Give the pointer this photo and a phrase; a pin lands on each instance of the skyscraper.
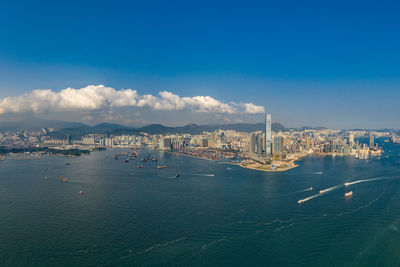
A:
(268, 135)
(252, 142)
(351, 139)
(371, 140)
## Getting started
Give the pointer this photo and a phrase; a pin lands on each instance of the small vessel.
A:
(347, 184)
(67, 163)
(176, 176)
(154, 159)
(348, 194)
(63, 180)
(161, 167)
(310, 189)
(45, 178)
(126, 160)
(80, 192)
(323, 191)
(300, 201)
(144, 160)
(139, 166)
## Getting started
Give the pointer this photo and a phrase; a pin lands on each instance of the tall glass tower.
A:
(268, 135)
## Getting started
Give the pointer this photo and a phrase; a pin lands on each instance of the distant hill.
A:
(116, 129)
(76, 130)
(198, 129)
(34, 124)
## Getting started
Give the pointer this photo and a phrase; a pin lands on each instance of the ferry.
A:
(161, 167)
(348, 194)
(323, 191)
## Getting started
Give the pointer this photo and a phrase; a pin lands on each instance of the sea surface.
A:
(212, 215)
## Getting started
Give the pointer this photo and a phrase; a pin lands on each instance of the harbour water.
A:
(212, 214)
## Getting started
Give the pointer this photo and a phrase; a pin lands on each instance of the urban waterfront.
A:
(212, 214)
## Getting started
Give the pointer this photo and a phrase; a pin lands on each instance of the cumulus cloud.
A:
(100, 97)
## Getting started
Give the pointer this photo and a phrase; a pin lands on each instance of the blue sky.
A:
(330, 63)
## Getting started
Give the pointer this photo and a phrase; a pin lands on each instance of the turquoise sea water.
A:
(213, 214)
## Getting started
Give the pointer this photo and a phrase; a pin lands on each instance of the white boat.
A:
(348, 194)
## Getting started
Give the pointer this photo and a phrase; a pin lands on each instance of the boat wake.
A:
(317, 173)
(329, 189)
(363, 181)
(308, 198)
(321, 192)
(305, 190)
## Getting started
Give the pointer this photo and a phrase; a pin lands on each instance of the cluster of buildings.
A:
(261, 146)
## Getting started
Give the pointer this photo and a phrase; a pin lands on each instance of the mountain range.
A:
(77, 130)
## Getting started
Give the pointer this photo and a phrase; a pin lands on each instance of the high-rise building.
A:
(268, 135)
(278, 146)
(252, 143)
(351, 139)
(371, 140)
(165, 143)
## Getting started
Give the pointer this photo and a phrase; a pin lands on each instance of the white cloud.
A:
(100, 97)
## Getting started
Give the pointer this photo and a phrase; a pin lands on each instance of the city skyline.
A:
(332, 65)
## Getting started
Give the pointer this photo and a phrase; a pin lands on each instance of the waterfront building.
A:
(278, 146)
(351, 139)
(371, 139)
(252, 143)
(165, 143)
(268, 135)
